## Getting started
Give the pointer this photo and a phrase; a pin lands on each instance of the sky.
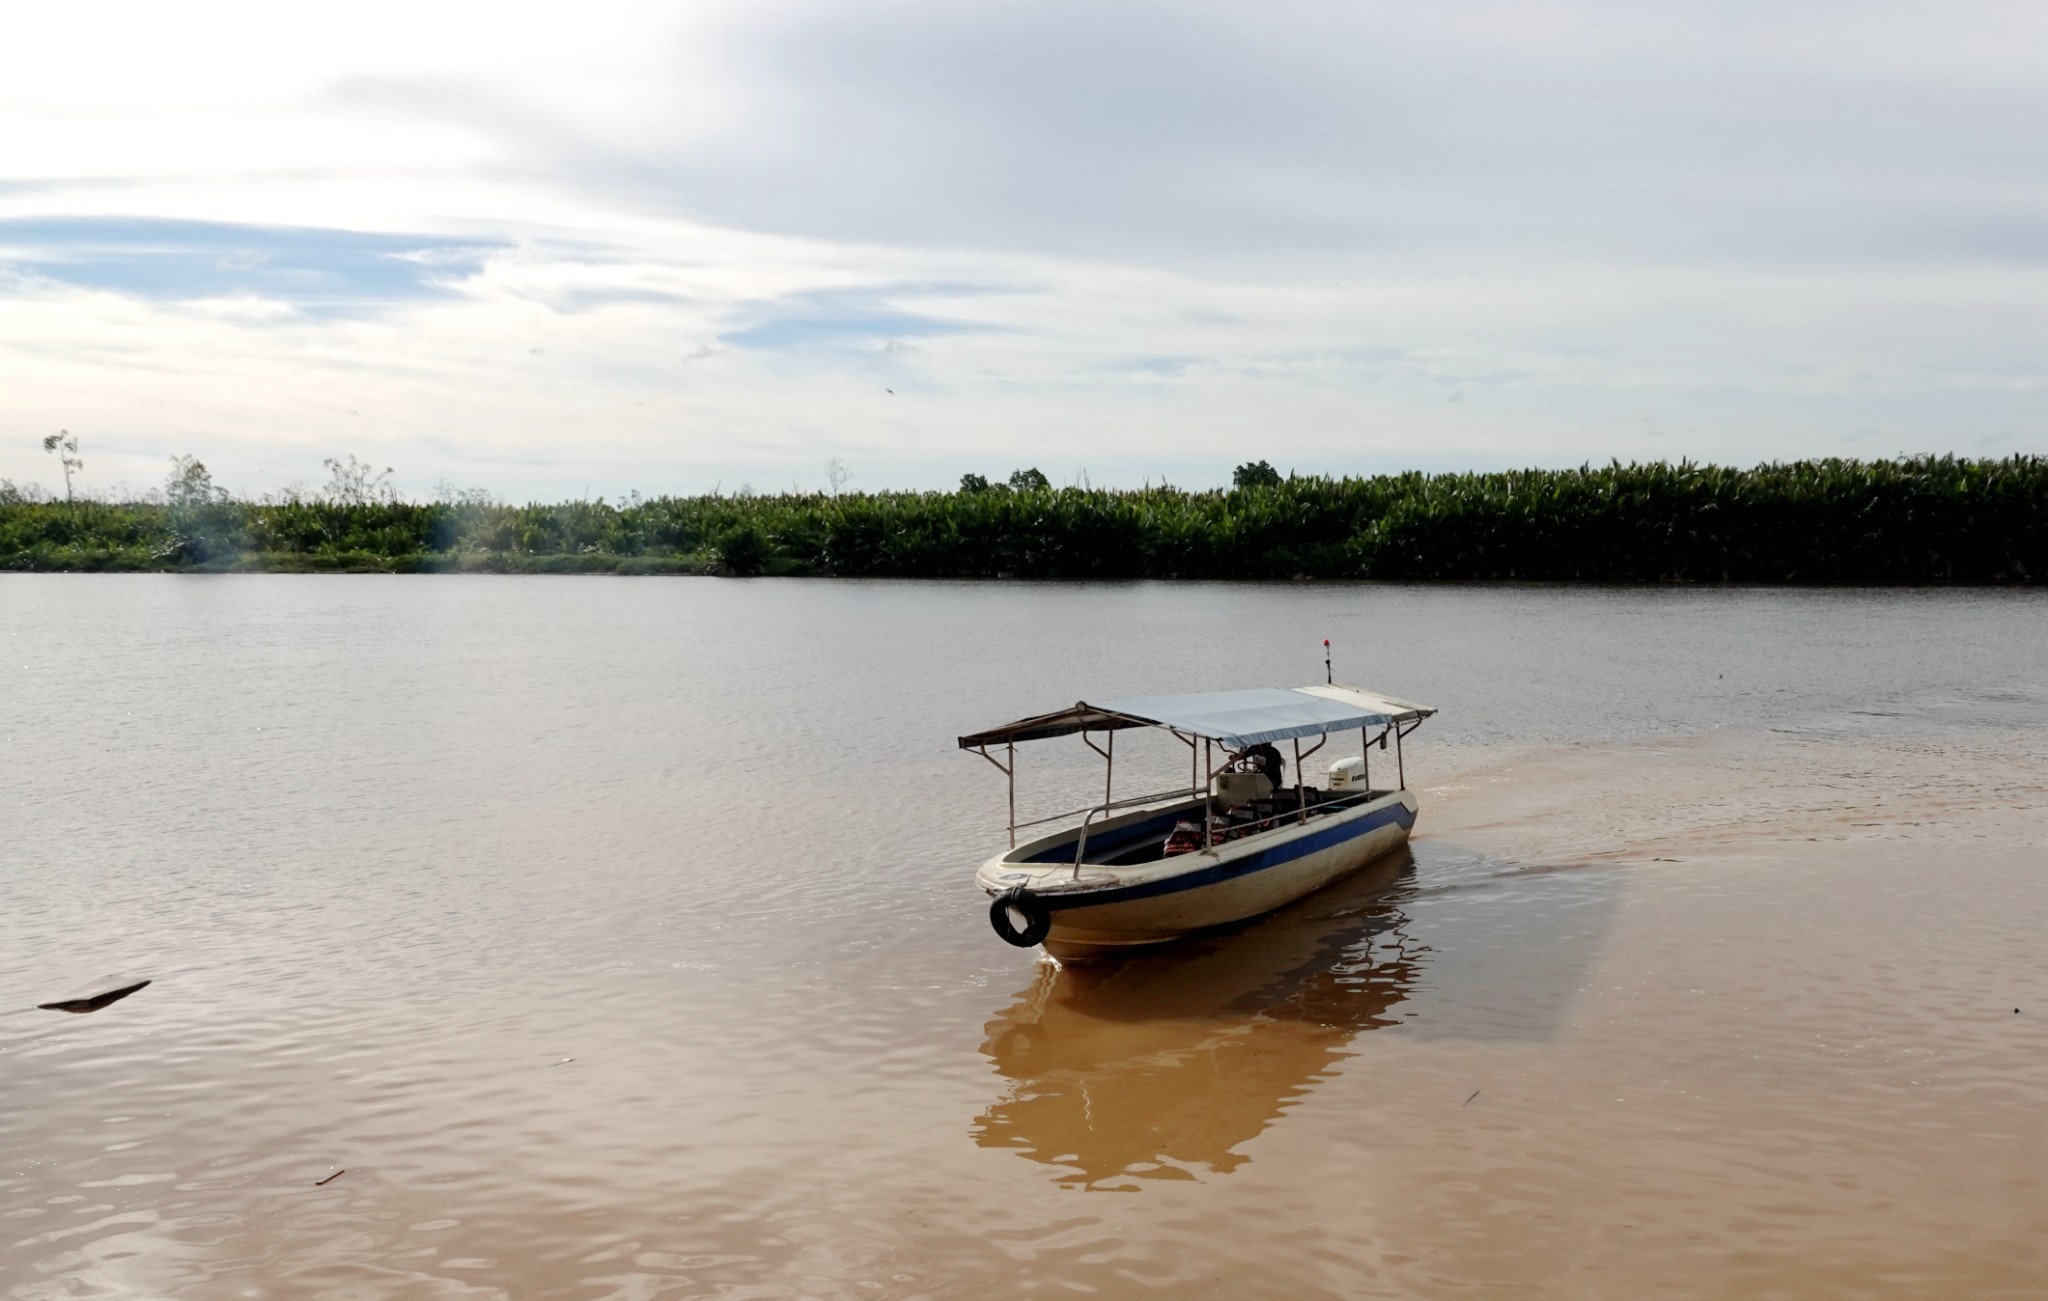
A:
(559, 251)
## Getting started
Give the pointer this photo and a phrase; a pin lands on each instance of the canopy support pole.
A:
(1300, 787)
(1399, 732)
(1209, 781)
(1365, 753)
(1010, 772)
(1194, 756)
(1109, 757)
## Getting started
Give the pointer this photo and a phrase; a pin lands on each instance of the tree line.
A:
(1911, 520)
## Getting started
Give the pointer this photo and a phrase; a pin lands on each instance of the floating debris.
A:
(331, 1178)
(96, 1002)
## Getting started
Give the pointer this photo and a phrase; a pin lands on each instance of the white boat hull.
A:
(1100, 910)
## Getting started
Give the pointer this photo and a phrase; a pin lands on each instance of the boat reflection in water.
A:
(1163, 1065)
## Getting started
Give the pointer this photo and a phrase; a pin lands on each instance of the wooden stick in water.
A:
(95, 1003)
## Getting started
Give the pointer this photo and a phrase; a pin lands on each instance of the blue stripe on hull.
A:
(1314, 842)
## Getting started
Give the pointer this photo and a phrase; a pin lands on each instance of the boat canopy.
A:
(1235, 718)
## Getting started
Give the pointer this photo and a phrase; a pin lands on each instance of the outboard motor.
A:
(1347, 775)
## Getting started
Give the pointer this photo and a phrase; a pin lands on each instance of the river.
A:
(617, 938)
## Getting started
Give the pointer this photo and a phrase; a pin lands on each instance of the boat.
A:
(1232, 845)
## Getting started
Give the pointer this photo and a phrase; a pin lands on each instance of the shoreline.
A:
(587, 566)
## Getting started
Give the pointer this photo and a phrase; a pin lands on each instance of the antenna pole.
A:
(1329, 679)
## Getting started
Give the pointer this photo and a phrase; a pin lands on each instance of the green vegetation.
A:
(1921, 520)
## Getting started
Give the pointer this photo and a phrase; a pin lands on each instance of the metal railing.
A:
(1333, 804)
(1081, 842)
(1128, 802)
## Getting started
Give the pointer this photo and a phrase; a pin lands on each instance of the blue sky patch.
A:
(833, 317)
(315, 270)
(1161, 367)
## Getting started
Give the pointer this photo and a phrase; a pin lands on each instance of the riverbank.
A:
(1927, 520)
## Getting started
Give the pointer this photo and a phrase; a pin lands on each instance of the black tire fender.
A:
(1020, 917)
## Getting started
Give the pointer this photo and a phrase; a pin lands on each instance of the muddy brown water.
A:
(616, 938)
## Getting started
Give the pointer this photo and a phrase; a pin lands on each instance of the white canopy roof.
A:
(1235, 718)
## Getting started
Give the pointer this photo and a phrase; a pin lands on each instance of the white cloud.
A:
(644, 249)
